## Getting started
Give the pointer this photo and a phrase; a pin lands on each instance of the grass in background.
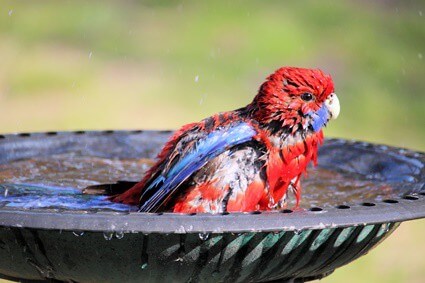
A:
(133, 65)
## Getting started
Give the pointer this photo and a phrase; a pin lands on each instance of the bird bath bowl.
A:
(50, 230)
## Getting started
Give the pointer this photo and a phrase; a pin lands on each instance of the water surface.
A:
(58, 181)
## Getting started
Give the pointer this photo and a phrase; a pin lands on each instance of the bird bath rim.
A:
(388, 211)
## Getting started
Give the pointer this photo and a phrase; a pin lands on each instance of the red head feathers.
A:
(292, 96)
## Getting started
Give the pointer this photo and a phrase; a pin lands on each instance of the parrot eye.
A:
(306, 96)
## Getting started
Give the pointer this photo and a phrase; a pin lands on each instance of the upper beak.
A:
(332, 103)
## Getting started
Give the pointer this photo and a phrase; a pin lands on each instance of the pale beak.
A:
(332, 103)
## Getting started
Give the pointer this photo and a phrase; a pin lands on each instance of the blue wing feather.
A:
(205, 149)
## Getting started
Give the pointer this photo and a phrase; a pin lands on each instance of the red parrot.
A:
(246, 159)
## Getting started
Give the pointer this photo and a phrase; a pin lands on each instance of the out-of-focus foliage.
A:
(147, 64)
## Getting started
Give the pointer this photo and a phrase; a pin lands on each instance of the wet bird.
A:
(247, 159)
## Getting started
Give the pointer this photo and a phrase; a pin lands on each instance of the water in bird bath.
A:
(58, 181)
(72, 170)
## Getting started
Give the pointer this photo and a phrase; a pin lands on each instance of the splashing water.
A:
(38, 196)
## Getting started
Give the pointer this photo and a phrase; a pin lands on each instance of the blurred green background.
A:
(156, 65)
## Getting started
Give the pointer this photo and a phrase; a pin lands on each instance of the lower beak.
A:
(332, 103)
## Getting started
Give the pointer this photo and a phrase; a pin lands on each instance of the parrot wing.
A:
(193, 154)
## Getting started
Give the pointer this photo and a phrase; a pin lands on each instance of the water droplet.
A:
(90, 54)
(144, 256)
(204, 236)
(78, 233)
(196, 78)
(420, 13)
(108, 235)
(180, 8)
(6, 192)
(201, 101)
(385, 227)
(10, 12)
(420, 56)
(119, 235)
(181, 230)
(383, 147)
(321, 225)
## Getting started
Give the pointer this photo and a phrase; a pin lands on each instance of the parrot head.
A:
(296, 99)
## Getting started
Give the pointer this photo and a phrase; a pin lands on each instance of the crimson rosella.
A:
(246, 159)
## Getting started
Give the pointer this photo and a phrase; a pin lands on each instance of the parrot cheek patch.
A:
(319, 118)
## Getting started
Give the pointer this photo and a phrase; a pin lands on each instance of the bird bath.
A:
(50, 230)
